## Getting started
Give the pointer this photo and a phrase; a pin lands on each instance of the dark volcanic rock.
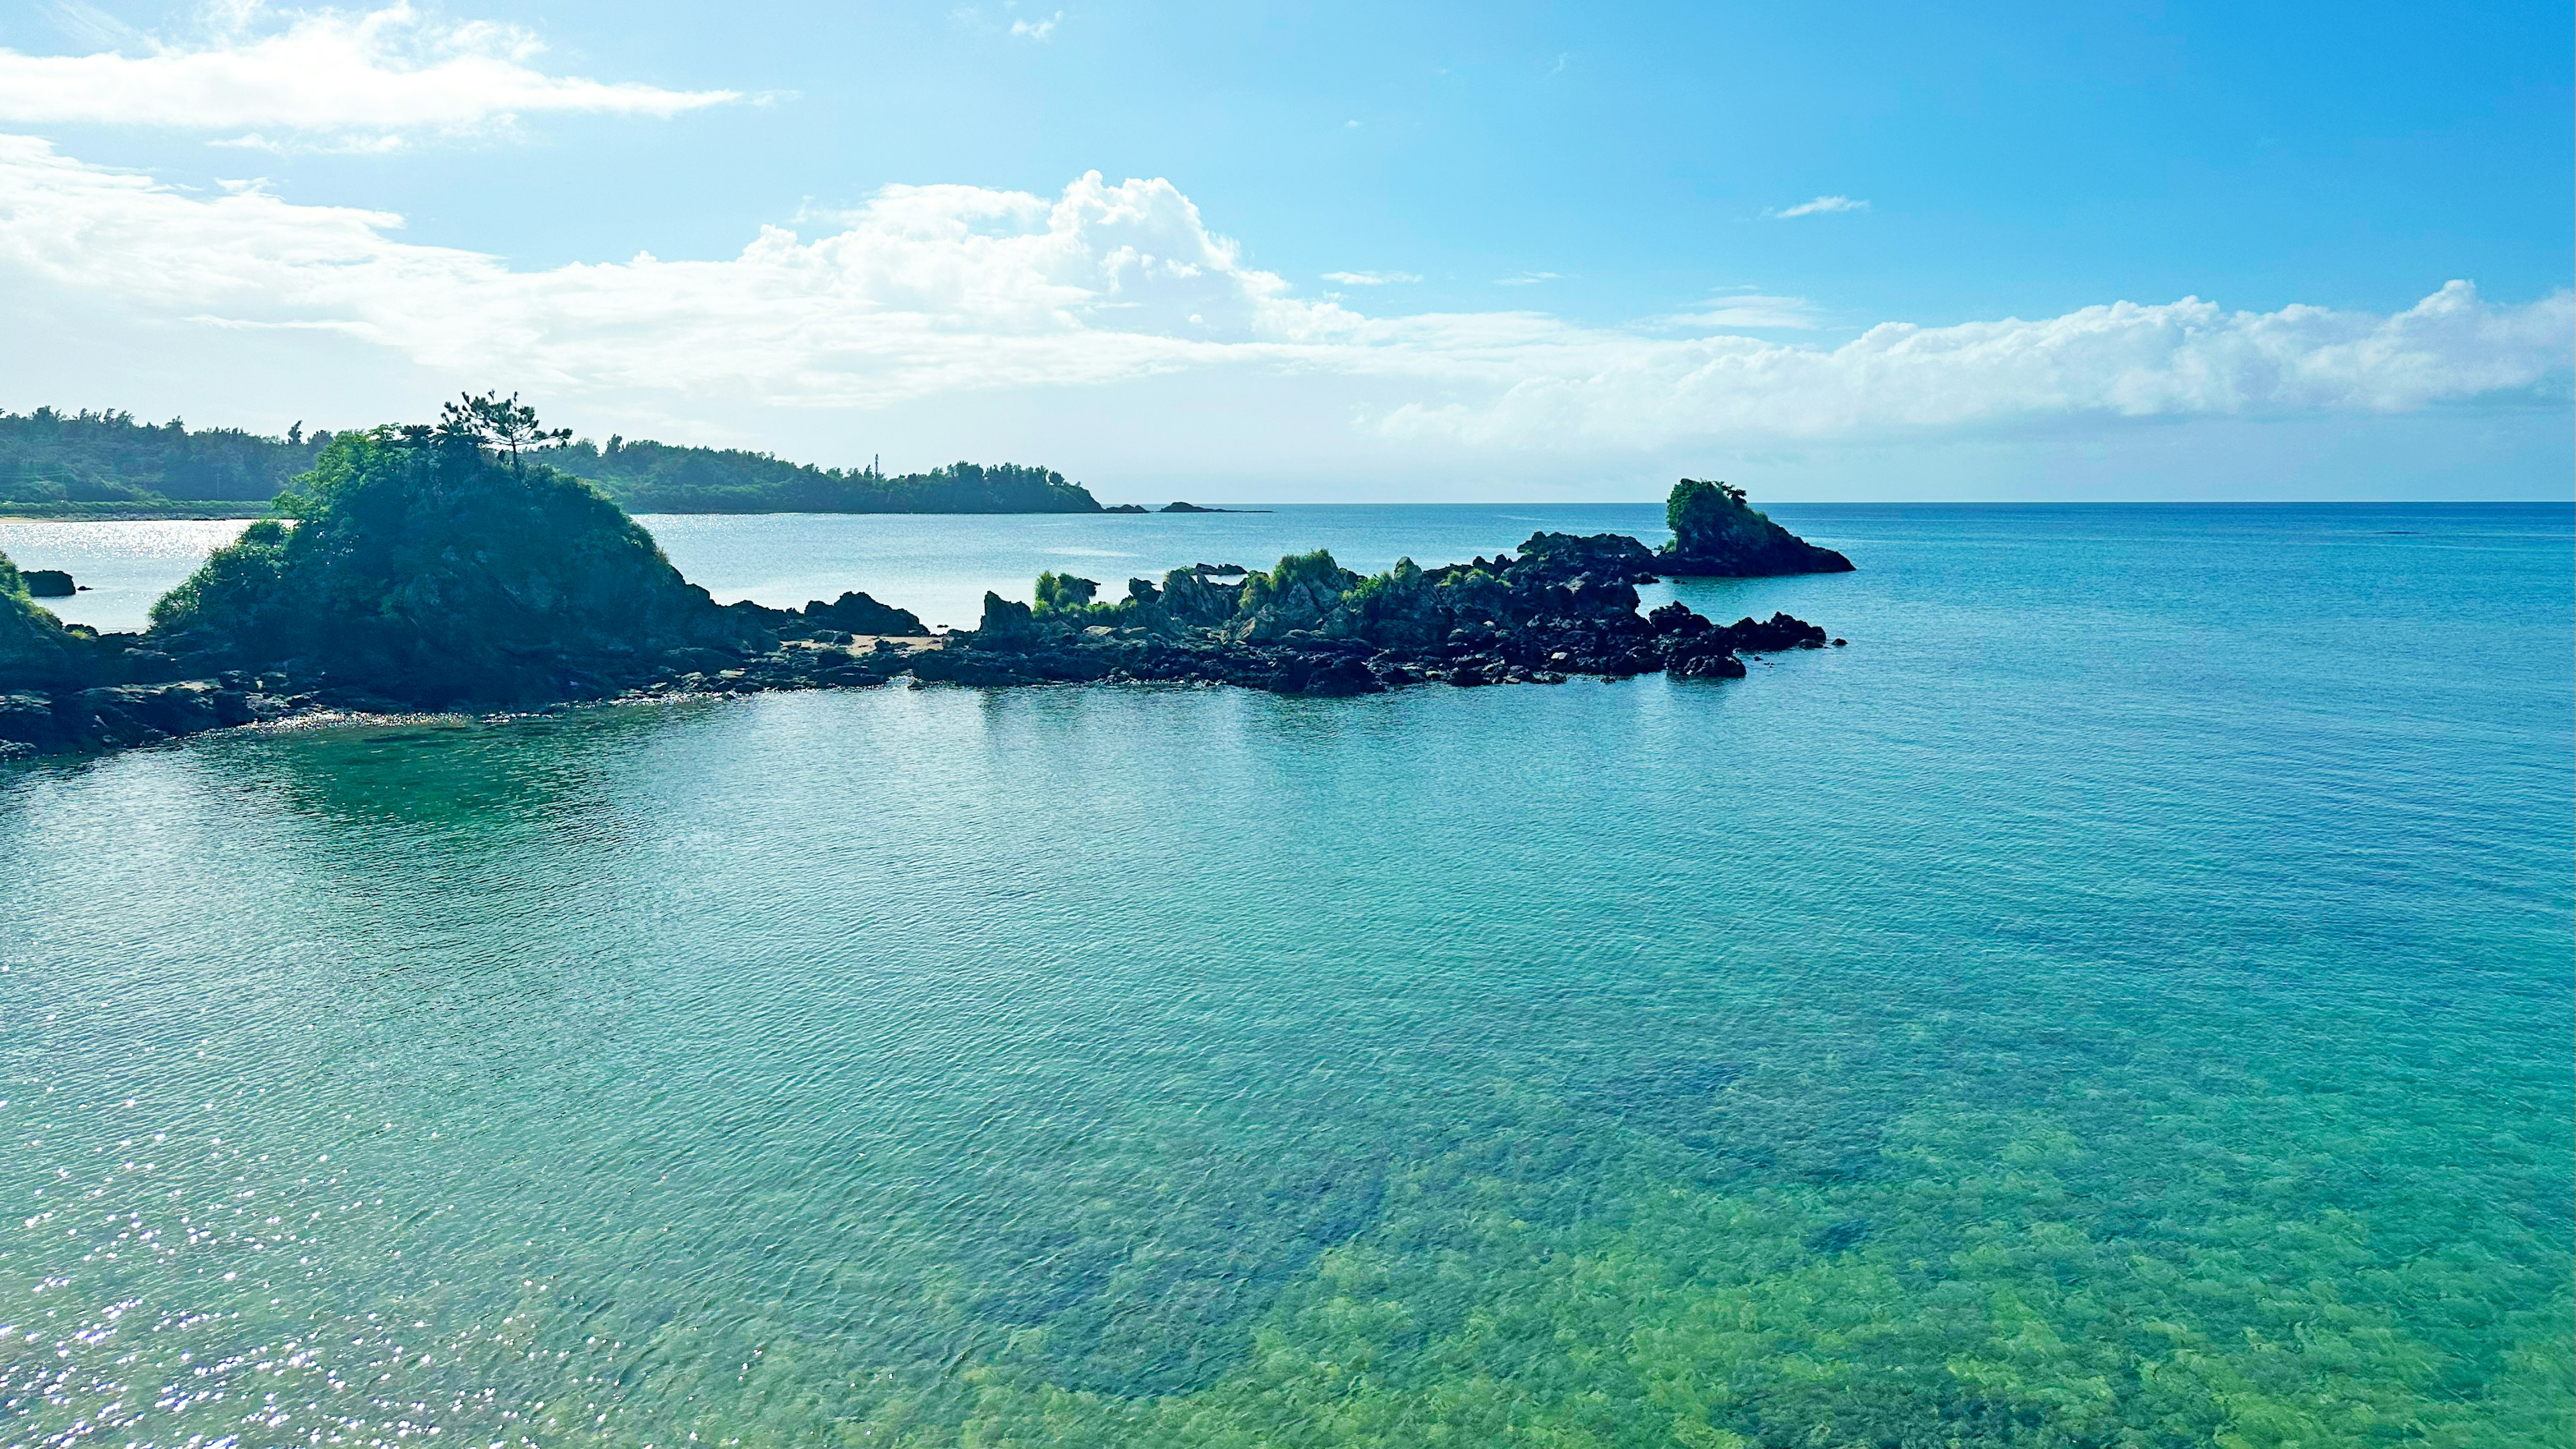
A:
(1716, 534)
(49, 584)
(1563, 606)
(859, 614)
(1007, 624)
(1564, 557)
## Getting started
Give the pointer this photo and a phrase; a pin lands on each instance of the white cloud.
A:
(1821, 206)
(947, 291)
(1525, 279)
(322, 79)
(1748, 309)
(1036, 29)
(1370, 279)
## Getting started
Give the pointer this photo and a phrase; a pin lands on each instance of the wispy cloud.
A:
(1821, 206)
(1371, 279)
(323, 79)
(1036, 29)
(942, 290)
(1748, 309)
(1525, 279)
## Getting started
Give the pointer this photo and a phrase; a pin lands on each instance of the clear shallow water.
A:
(2125, 998)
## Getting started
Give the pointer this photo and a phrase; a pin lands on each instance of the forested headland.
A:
(107, 465)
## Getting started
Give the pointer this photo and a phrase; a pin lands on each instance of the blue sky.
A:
(1336, 251)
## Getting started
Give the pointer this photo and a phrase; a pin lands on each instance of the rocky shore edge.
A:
(1559, 607)
(802, 649)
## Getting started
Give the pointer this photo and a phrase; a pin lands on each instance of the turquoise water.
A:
(2123, 999)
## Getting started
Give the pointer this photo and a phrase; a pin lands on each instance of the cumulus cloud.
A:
(942, 290)
(324, 79)
(1821, 206)
(1371, 279)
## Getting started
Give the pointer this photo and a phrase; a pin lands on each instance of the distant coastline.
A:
(106, 465)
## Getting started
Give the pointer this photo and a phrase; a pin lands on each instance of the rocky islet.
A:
(427, 573)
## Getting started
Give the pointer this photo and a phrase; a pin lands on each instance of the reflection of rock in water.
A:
(1752, 1124)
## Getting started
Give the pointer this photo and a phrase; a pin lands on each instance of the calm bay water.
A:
(2124, 998)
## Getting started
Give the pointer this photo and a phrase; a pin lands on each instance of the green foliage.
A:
(1698, 510)
(489, 422)
(1295, 573)
(61, 461)
(36, 651)
(428, 568)
(241, 587)
(1064, 596)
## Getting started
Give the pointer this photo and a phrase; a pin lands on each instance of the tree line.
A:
(51, 460)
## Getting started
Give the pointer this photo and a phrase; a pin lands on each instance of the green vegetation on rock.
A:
(430, 567)
(1063, 595)
(36, 649)
(1716, 533)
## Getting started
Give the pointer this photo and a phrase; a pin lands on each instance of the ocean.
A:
(2124, 998)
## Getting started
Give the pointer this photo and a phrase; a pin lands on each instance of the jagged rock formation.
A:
(859, 614)
(1563, 606)
(1716, 534)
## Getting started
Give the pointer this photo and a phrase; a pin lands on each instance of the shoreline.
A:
(143, 716)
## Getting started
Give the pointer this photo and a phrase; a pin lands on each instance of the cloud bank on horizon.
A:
(936, 289)
(952, 292)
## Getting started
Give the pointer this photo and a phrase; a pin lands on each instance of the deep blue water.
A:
(2124, 998)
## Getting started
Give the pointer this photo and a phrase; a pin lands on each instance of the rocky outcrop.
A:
(1716, 534)
(858, 614)
(49, 584)
(424, 569)
(1563, 606)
